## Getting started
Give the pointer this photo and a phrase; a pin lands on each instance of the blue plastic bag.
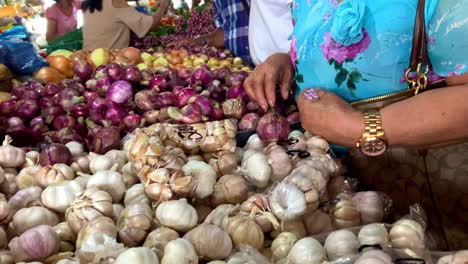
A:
(16, 32)
(20, 57)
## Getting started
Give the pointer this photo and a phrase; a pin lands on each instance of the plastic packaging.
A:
(247, 255)
(21, 57)
(16, 32)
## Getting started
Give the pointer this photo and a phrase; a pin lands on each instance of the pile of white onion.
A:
(153, 202)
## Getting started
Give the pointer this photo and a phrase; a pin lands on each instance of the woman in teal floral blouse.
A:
(355, 49)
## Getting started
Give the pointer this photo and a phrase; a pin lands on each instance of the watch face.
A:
(374, 147)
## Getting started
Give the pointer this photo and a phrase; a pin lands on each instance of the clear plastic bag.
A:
(21, 57)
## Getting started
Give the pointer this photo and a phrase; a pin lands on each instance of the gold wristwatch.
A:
(372, 142)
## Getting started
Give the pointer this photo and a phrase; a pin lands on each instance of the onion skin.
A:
(83, 70)
(234, 108)
(293, 117)
(249, 121)
(273, 127)
(55, 153)
(120, 92)
(114, 71)
(190, 114)
(158, 83)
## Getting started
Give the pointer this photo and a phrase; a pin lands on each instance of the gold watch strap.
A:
(373, 125)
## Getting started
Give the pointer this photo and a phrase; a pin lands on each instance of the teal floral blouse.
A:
(361, 48)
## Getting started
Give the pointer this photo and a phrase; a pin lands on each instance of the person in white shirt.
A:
(270, 25)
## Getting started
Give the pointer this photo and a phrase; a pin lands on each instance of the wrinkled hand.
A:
(325, 114)
(261, 84)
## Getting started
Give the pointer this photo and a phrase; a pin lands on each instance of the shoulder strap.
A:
(419, 50)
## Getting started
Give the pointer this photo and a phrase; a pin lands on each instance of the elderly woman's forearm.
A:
(434, 118)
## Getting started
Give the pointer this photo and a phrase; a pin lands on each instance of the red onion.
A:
(190, 114)
(202, 102)
(83, 70)
(36, 120)
(102, 85)
(7, 108)
(69, 97)
(37, 87)
(45, 102)
(91, 84)
(234, 108)
(249, 121)
(147, 74)
(217, 92)
(132, 121)
(63, 121)
(50, 113)
(222, 72)
(81, 128)
(145, 100)
(166, 99)
(31, 94)
(115, 115)
(273, 127)
(15, 123)
(120, 92)
(27, 109)
(201, 76)
(98, 103)
(52, 89)
(55, 153)
(293, 117)
(73, 84)
(217, 114)
(172, 83)
(158, 83)
(176, 91)
(114, 70)
(105, 139)
(184, 96)
(156, 116)
(184, 73)
(90, 96)
(80, 110)
(235, 79)
(238, 91)
(97, 115)
(18, 91)
(132, 74)
(39, 130)
(101, 71)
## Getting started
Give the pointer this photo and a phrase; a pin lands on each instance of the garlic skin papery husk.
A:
(134, 224)
(35, 244)
(255, 143)
(26, 177)
(280, 162)
(210, 242)
(345, 214)
(370, 207)
(247, 255)
(179, 251)
(308, 178)
(177, 214)
(282, 245)
(373, 234)
(374, 257)
(220, 215)
(76, 149)
(256, 169)
(317, 222)
(229, 189)
(140, 255)
(59, 196)
(81, 164)
(245, 231)
(307, 251)
(66, 236)
(100, 163)
(28, 218)
(204, 177)
(295, 226)
(136, 194)
(287, 202)
(158, 239)
(407, 234)
(54, 174)
(118, 157)
(90, 204)
(341, 244)
(110, 181)
(25, 198)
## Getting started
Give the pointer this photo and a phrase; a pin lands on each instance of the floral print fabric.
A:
(361, 48)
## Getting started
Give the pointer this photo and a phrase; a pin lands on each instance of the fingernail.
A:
(310, 94)
(270, 102)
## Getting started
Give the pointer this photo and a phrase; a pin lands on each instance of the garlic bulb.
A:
(445, 260)
(341, 244)
(9, 186)
(66, 237)
(117, 209)
(256, 169)
(307, 251)
(460, 257)
(282, 245)
(317, 143)
(134, 224)
(87, 206)
(217, 262)
(370, 207)
(254, 143)
(345, 213)
(100, 163)
(81, 164)
(54, 174)
(35, 244)
(204, 178)
(317, 222)
(295, 226)
(118, 157)
(130, 178)
(76, 149)
(140, 255)
(307, 178)
(229, 189)
(220, 215)
(6, 257)
(280, 162)
(225, 164)
(159, 238)
(26, 198)
(373, 234)
(28, 218)
(179, 251)
(59, 196)
(407, 234)
(5, 211)
(26, 177)
(287, 202)
(97, 229)
(203, 211)
(210, 242)
(298, 141)
(247, 255)
(3, 238)
(178, 215)
(109, 181)
(136, 194)
(244, 230)
(374, 257)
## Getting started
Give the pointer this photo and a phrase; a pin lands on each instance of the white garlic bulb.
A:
(370, 207)
(256, 169)
(204, 178)
(140, 255)
(136, 194)
(178, 215)
(345, 213)
(341, 244)
(158, 239)
(30, 217)
(374, 257)
(287, 202)
(282, 245)
(307, 251)
(109, 181)
(373, 234)
(210, 242)
(179, 251)
(408, 234)
(247, 255)
(317, 222)
(59, 196)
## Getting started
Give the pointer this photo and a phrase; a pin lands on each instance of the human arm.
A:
(159, 14)
(215, 39)
(51, 30)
